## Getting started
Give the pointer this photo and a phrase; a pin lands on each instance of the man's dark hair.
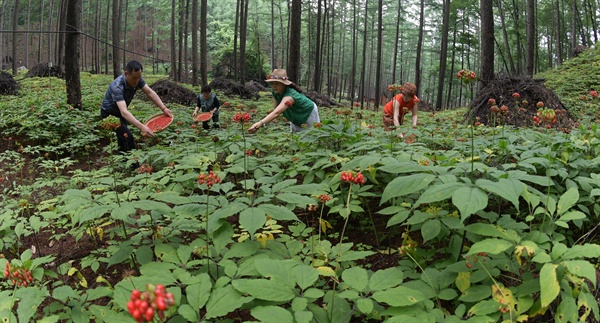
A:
(133, 66)
(206, 88)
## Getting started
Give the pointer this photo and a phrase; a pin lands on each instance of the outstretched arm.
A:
(286, 102)
(414, 114)
(156, 99)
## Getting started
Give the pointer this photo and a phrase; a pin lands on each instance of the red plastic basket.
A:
(159, 122)
(204, 116)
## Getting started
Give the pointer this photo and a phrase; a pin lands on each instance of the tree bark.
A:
(293, 64)
(487, 42)
(379, 54)
(443, 54)
(195, 26)
(531, 44)
(318, 56)
(15, 26)
(419, 47)
(72, 40)
(506, 40)
(203, 43)
(116, 41)
(173, 40)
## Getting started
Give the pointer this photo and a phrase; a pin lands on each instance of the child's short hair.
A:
(206, 88)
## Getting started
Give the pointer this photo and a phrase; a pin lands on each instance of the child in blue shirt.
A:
(208, 102)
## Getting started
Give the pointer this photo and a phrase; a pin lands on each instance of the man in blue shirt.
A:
(117, 98)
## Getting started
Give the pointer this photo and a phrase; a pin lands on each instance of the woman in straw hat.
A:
(394, 111)
(289, 101)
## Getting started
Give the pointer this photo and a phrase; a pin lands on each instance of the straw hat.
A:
(278, 75)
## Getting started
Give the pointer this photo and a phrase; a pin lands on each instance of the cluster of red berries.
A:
(110, 123)
(241, 117)
(155, 300)
(394, 88)
(19, 276)
(324, 198)
(146, 168)
(545, 116)
(474, 259)
(352, 177)
(594, 93)
(466, 76)
(504, 308)
(210, 179)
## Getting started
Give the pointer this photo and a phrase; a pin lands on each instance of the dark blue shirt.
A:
(119, 90)
(208, 105)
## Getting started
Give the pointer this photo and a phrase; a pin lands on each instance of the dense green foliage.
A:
(487, 223)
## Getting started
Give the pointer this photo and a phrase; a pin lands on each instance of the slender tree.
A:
(72, 41)
(243, 34)
(203, 43)
(195, 26)
(505, 38)
(420, 46)
(443, 54)
(487, 41)
(116, 41)
(173, 40)
(529, 63)
(379, 54)
(395, 58)
(15, 27)
(318, 55)
(293, 63)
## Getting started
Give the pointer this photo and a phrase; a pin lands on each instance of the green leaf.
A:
(276, 269)
(167, 253)
(63, 293)
(484, 307)
(436, 193)
(356, 277)
(274, 314)
(224, 300)
(567, 200)
(572, 215)
(490, 246)
(386, 278)
(171, 197)
(398, 218)
(149, 205)
(509, 189)
(549, 286)
(298, 200)
(30, 300)
(582, 268)
(402, 186)
(93, 213)
(121, 255)
(491, 230)
(278, 212)
(188, 312)
(198, 294)
(305, 275)
(399, 296)
(447, 294)
(431, 229)
(252, 219)
(476, 293)
(265, 289)
(469, 200)
(307, 189)
(364, 305)
(123, 212)
(587, 250)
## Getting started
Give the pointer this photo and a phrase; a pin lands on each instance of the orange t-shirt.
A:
(389, 107)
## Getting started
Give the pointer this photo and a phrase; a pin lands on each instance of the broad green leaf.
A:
(356, 277)
(572, 215)
(63, 293)
(93, 213)
(276, 269)
(509, 189)
(402, 186)
(30, 300)
(476, 293)
(447, 294)
(364, 305)
(216, 219)
(198, 294)
(587, 250)
(484, 307)
(278, 212)
(398, 218)
(188, 312)
(149, 205)
(271, 314)
(567, 200)
(549, 286)
(121, 255)
(265, 289)
(490, 246)
(170, 197)
(303, 316)
(167, 253)
(305, 275)
(224, 300)
(252, 219)
(399, 296)
(463, 280)
(491, 230)
(469, 200)
(431, 229)
(123, 212)
(298, 200)
(582, 268)
(307, 189)
(436, 193)
(386, 278)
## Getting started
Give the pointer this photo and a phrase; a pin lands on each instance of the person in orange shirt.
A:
(394, 111)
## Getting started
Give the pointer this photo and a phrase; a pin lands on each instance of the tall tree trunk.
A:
(505, 36)
(451, 75)
(96, 41)
(517, 28)
(318, 56)
(195, 26)
(124, 30)
(50, 35)
(395, 59)
(443, 55)
(379, 54)
(487, 42)
(62, 25)
(236, 33)
(180, 37)
(243, 34)
(15, 27)
(293, 63)
(559, 49)
(531, 43)
(352, 89)
(2, 15)
(27, 35)
(273, 34)
(361, 89)
(173, 40)
(116, 41)
(203, 43)
(72, 40)
(420, 46)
